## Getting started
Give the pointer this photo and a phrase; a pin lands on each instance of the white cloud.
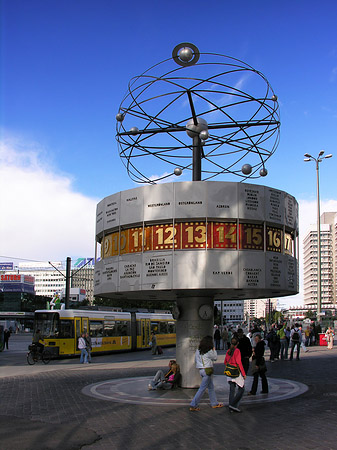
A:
(42, 218)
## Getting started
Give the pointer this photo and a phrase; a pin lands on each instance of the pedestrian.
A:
(312, 335)
(288, 332)
(318, 331)
(307, 336)
(303, 340)
(88, 346)
(256, 330)
(259, 366)
(82, 345)
(245, 348)
(229, 337)
(7, 335)
(154, 346)
(329, 334)
(217, 338)
(224, 336)
(205, 356)
(233, 357)
(283, 341)
(295, 340)
(273, 343)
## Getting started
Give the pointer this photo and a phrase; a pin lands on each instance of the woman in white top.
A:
(204, 358)
(82, 345)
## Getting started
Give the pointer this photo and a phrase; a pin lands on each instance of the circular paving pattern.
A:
(135, 390)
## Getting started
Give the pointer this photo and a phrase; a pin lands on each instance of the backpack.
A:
(274, 337)
(295, 337)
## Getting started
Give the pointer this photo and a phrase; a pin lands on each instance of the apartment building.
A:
(328, 233)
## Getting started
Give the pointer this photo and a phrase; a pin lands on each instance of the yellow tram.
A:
(109, 331)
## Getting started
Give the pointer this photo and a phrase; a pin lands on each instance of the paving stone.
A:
(43, 410)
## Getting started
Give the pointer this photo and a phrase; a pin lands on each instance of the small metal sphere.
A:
(274, 98)
(178, 171)
(192, 129)
(246, 169)
(263, 172)
(204, 135)
(119, 117)
(185, 54)
(134, 130)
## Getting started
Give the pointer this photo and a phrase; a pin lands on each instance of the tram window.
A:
(96, 328)
(163, 328)
(122, 328)
(66, 329)
(109, 328)
(154, 327)
(171, 327)
(47, 323)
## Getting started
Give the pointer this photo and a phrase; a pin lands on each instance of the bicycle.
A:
(34, 355)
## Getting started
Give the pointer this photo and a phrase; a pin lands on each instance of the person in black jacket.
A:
(217, 339)
(7, 335)
(245, 348)
(259, 367)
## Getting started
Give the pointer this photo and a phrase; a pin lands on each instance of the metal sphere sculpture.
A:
(212, 115)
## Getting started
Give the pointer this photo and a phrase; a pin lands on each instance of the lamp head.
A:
(307, 155)
(321, 153)
(307, 159)
(328, 156)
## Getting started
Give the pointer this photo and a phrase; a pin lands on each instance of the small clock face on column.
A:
(205, 312)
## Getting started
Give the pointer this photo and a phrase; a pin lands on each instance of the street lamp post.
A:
(317, 160)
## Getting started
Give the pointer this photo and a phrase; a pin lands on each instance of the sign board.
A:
(7, 266)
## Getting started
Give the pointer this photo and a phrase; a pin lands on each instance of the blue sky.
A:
(65, 67)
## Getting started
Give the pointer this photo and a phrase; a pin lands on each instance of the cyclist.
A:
(36, 341)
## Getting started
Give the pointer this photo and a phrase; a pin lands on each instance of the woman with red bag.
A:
(233, 357)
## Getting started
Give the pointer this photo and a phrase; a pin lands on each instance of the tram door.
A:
(145, 329)
(85, 325)
(77, 332)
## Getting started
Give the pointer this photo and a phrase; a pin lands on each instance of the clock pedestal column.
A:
(195, 322)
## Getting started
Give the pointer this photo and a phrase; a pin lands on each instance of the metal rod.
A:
(210, 127)
(319, 282)
(196, 158)
(194, 116)
(68, 269)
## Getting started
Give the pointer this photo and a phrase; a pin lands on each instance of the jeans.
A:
(157, 379)
(284, 349)
(293, 345)
(234, 400)
(84, 355)
(206, 383)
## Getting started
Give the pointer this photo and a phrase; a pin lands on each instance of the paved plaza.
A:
(106, 405)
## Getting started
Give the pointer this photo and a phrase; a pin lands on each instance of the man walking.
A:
(7, 335)
(295, 339)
